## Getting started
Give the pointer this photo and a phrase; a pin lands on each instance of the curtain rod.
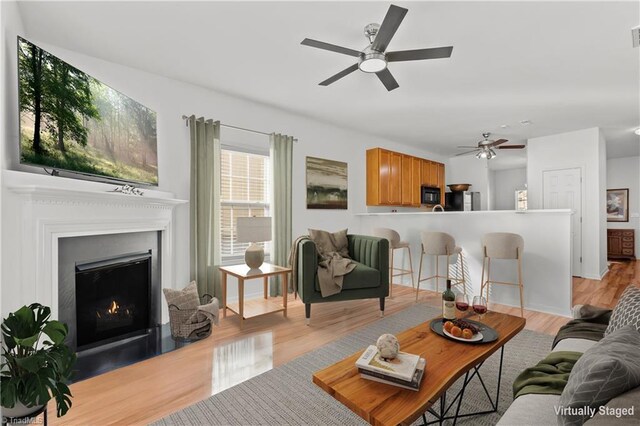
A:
(184, 117)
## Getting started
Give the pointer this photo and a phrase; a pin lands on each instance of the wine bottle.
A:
(448, 304)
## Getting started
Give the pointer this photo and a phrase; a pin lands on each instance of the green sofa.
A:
(370, 278)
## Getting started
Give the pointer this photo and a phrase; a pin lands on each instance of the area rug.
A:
(286, 395)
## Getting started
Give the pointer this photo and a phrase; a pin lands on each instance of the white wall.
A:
(171, 99)
(504, 184)
(625, 173)
(582, 149)
(469, 169)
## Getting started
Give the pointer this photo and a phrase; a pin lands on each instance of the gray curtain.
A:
(281, 157)
(205, 205)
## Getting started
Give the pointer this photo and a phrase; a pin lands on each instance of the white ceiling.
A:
(562, 65)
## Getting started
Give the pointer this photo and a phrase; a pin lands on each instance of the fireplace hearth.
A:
(109, 294)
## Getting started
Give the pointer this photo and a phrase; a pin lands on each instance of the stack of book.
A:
(405, 371)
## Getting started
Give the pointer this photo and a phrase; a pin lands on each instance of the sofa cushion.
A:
(617, 411)
(627, 310)
(575, 345)
(532, 409)
(361, 277)
(328, 242)
(608, 369)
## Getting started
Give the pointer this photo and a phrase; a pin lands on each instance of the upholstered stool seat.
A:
(395, 244)
(442, 244)
(502, 245)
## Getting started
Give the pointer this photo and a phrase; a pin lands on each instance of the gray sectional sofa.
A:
(537, 409)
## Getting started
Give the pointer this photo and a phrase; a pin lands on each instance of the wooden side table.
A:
(254, 308)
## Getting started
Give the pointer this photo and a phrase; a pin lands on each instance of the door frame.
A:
(582, 210)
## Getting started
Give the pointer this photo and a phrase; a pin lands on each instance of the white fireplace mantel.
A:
(54, 195)
(47, 213)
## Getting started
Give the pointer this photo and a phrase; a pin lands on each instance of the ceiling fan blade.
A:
(339, 75)
(498, 142)
(466, 153)
(511, 147)
(330, 47)
(419, 54)
(388, 28)
(467, 146)
(387, 79)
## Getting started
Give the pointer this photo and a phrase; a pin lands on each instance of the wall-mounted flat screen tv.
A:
(69, 121)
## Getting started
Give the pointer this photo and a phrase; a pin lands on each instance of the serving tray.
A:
(488, 334)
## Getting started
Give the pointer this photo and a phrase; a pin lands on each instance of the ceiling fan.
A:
(374, 58)
(485, 147)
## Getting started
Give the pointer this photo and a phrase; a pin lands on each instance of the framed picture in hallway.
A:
(618, 205)
(326, 184)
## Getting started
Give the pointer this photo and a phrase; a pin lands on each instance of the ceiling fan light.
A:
(372, 62)
(637, 131)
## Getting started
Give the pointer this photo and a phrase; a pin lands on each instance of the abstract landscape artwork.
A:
(71, 121)
(618, 205)
(326, 184)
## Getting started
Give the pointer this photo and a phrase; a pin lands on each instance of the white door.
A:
(562, 189)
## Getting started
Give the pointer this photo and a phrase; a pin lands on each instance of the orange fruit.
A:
(467, 334)
(456, 331)
(448, 325)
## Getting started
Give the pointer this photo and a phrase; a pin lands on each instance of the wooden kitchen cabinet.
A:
(441, 183)
(621, 244)
(395, 179)
(426, 173)
(416, 182)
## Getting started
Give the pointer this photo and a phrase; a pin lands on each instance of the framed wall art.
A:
(618, 205)
(327, 184)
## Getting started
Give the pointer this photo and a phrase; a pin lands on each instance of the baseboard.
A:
(604, 272)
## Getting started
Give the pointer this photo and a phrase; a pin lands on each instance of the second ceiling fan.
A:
(484, 149)
(374, 58)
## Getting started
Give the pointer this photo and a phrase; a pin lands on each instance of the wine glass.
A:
(462, 302)
(480, 306)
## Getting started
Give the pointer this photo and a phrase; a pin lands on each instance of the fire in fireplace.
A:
(113, 298)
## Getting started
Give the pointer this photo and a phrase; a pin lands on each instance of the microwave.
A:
(429, 195)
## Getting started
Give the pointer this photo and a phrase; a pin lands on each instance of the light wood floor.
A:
(149, 390)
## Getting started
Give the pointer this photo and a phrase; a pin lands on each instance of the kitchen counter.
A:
(547, 254)
(475, 212)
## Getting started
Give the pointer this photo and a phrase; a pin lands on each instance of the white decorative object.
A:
(388, 346)
(129, 190)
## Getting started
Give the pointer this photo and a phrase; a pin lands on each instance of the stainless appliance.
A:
(430, 195)
(462, 201)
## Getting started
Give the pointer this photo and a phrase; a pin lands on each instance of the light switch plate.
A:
(635, 214)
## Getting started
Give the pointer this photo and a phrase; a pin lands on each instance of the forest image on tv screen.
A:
(71, 121)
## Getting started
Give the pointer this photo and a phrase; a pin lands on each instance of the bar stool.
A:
(442, 244)
(502, 245)
(395, 244)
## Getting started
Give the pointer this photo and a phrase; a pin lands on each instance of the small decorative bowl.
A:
(456, 187)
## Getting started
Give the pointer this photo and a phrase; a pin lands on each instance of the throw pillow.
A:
(328, 242)
(606, 370)
(627, 310)
(187, 298)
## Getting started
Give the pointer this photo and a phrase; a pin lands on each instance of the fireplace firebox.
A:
(113, 299)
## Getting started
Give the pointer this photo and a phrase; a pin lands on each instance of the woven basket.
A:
(181, 330)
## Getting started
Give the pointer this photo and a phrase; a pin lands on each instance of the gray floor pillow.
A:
(606, 370)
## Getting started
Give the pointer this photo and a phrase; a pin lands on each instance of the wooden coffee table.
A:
(257, 307)
(447, 361)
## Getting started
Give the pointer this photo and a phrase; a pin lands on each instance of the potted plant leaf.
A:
(36, 363)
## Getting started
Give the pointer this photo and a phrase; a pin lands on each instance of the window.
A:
(244, 193)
